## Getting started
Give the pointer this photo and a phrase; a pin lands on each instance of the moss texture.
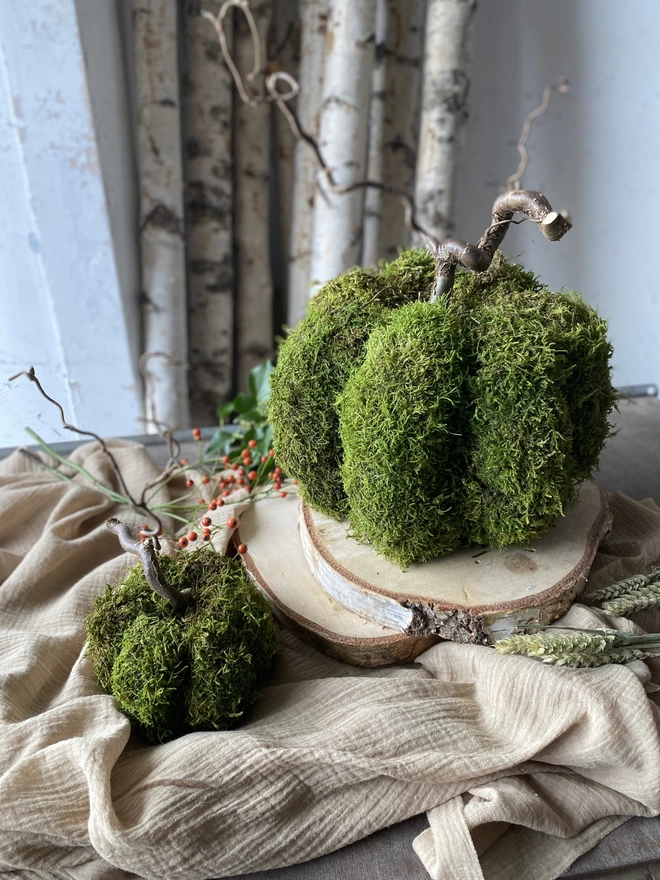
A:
(317, 359)
(466, 421)
(171, 674)
(404, 454)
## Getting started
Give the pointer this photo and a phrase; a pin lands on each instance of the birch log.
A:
(252, 153)
(446, 78)
(286, 57)
(343, 135)
(161, 206)
(373, 198)
(207, 115)
(313, 20)
(404, 46)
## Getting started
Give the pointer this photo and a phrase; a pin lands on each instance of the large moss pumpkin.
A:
(172, 673)
(434, 425)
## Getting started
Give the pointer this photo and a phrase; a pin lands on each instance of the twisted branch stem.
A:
(147, 551)
(515, 181)
(454, 252)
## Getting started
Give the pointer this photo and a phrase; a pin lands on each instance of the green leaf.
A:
(225, 410)
(253, 416)
(244, 402)
(221, 442)
(259, 381)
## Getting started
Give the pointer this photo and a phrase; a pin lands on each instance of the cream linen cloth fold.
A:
(521, 766)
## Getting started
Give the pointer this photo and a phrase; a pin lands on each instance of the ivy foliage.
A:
(171, 674)
(431, 426)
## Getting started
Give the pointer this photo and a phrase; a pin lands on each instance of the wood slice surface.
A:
(275, 561)
(473, 595)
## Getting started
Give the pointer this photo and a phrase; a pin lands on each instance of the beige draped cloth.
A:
(522, 767)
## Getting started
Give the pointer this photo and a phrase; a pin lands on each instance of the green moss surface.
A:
(471, 420)
(403, 442)
(171, 674)
(317, 359)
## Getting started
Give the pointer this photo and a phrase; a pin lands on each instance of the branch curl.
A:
(454, 252)
(147, 551)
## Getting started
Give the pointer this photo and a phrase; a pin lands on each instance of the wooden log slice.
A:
(275, 561)
(473, 595)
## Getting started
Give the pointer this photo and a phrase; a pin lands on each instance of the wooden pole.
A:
(162, 247)
(446, 80)
(209, 196)
(313, 19)
(252, 158)
(343, 135)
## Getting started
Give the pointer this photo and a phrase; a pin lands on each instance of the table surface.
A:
(629, 463)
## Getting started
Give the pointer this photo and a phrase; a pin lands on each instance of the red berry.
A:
(221, 502)
(232, 522)
(295, 482)
(241, 470)
(277, 471)
(226, 493)
(242, 549)
(225, 459)
(183, 542)
(271, 453)
(192, 536)
(253, 475)
(264, 459)
(252, 444)
(184, 461)
(277, 485)
(213, 505)
(206, 479)
(282, 494)
(206, 521)
(206, 533)
(231, 479)
(189, 484)
(241, 481)
(201, 501)
(197, 434)
(206, 536)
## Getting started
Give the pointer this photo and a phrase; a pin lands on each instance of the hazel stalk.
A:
(147, 551)
(454, 252)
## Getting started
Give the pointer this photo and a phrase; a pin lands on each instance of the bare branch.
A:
(515, 181)
(454, 252)
(218, 23)
(146, 550)
(32, 376)
(282, 99)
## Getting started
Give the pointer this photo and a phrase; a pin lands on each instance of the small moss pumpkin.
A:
(172, 673)
(436, 425)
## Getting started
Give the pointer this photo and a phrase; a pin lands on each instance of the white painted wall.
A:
(66, 281)
(596, 153)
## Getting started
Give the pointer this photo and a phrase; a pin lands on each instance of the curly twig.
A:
(282, 99)
(515, 181)
(453, 251)
(478, 258)
(32, 376)
(146, 550)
